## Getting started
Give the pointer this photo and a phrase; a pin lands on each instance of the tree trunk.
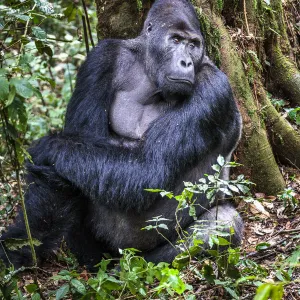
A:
(261, 58)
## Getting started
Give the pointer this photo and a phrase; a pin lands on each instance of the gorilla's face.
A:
(177, 54)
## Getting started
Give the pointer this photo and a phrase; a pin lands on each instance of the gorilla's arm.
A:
(175, 142)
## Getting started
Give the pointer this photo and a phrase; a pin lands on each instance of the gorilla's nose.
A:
(186, 65)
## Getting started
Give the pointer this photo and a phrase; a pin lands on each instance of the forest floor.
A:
(277, 225)
(269, 223)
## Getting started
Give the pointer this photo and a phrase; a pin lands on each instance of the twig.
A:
(257, 253)
(25, 33)
(246, 19)
(284, 231)
(85, 35)
(88, 22)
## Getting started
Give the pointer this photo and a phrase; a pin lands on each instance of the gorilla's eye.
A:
(176, 40)
(192, 45)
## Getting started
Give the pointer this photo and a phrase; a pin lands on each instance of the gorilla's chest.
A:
(135, 106)
(131, 118)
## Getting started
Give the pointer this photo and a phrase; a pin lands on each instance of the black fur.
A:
(87, 184)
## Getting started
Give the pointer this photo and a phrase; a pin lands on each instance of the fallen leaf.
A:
(257, 208)
(268, 205)
(260, 195)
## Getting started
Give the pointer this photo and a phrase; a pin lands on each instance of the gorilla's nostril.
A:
(186, 63)
(183, 63)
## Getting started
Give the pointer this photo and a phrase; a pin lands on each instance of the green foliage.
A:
(37, 69)
(288, 266)
(133, 277)
(7, 199)
(288, 198)
(139, 4)
(269, 291)
(294, 115)
(253, 64)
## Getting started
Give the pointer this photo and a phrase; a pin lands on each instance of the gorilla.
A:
(148, 112)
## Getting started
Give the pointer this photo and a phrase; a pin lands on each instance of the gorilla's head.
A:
(175, 46)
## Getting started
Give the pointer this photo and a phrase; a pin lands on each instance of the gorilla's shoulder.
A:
(115, 51)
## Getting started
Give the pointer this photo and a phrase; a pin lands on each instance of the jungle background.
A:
(257, 44)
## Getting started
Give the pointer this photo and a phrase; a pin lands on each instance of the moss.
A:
(285, 140)
(218, 5)
(286, 75)
(139, 4)
(211, 35)
(257, 152)
(278, 12)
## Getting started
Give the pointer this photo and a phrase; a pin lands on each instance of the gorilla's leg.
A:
(53, 212)
(227, 217)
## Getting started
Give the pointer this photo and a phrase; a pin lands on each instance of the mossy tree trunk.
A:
(249, 41)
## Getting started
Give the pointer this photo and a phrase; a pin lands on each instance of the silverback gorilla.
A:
(149, 112)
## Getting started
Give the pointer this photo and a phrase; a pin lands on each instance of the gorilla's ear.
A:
(149, 28)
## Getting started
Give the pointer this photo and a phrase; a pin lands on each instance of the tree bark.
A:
(266, 135)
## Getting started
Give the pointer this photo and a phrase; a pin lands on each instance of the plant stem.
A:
(17, 169)
(88, 22)
(85, 35)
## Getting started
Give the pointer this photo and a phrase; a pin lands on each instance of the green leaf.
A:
(112, 284)
(31, 288)
(277, 292)
(192, 212)
(25, 40)
(62, 292)
(211, 178)
(24, 18)
(11, 96)
(47, 79)
(220, 241)
(64, 273)
(3, 72)
(23, 87)
(45, 7)
(79, 286)
(4, 88)
(142, 291)
(216, 168)
(263, 292)
(48, 50)
(17, 114)
(244, 189)
(221, 160)
(164, 226)
(208, 273)
(262, 246)
(167, 194)
(61, 277)
(39, 33)
(70, 12)
(233, 188)
(232, 292)
(35, 296)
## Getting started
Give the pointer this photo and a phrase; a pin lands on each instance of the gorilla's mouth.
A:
(180, 80)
